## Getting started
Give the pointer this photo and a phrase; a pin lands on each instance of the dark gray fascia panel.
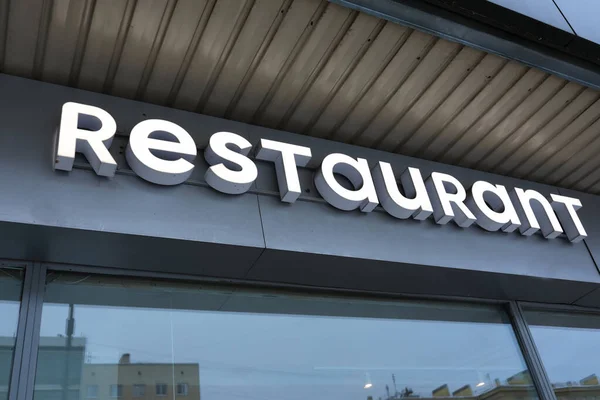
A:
(459, 29)
(127, 223)
(33, 193)
(590, 215)
(349, 273)
(62, 245)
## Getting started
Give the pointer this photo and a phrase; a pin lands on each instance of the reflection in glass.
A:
(10, 297)
(150, 340)
(569, 345)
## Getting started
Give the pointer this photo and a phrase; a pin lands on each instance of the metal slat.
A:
(189, 54)
(546, 116)
(548, 148)
(422, 80)
(4, 13)
(519, 116)
(306, 66)
(155, 49)
(394, 74)
(212, 47)
(177, 39)
(562, 121)
(495, 115)
(42, 38)
(485, 99)
(101, 41)
(22, 36)
(142, 32)
(370, 67)
(265, 16)
(334, 74)
(564, 163)
(460, 97)
(64, 19)
(224, 56)
(404, 97)
(294, 31)
(443, 86)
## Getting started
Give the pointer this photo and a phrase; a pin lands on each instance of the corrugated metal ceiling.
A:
(319, 69)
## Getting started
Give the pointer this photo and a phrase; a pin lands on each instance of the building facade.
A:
(299, 199)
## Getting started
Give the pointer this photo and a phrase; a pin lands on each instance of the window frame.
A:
(87, 391)
(185, 392)
(134, 393)
(156, 391)
(119, 393)
(35, 280)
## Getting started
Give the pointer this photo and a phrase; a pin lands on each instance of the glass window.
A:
(569, 346)
(182, 389)
(232, 343)
(161, 389)
(116, 391)
(139, 390)
(92, 391)
(10, 298)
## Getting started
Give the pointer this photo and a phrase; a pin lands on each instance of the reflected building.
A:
(140, 381)
(63, 374)
(516, 387)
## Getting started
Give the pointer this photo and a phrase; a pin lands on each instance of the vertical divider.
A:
(530, 353)
(20, 337)
(31, 332)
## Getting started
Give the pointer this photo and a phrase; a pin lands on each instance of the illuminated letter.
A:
(414, 203)
(357, 172)
(498, 212)
(161, 152)
(448, 206)
(529, 223)
(231, 171)
(566, 210)
(286, 158)
(88, 130)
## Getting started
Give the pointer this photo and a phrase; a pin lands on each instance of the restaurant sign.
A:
(162, 152)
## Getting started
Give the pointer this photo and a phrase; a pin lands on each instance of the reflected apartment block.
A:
(140, 381)
(63, 374)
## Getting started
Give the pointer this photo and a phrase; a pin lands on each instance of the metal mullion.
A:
(530, 353)
(20, 336)
(31, 333)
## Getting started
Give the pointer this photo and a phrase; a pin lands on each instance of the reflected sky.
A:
(266, 356)
(568, 353)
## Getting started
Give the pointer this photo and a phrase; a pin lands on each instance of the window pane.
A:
(569, 345)
(220, 343)
(92, 391)
(10, 297)
(139, 390)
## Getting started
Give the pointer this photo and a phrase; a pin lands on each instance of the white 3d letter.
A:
(529, 223)
(231, 171)
(357, 172)
(161, 152)
(498, 212)
(448, 206)
(414, 203)
(88, 130)
(566, 209)
(287, 157)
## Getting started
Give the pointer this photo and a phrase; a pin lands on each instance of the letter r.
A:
(88, 130)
